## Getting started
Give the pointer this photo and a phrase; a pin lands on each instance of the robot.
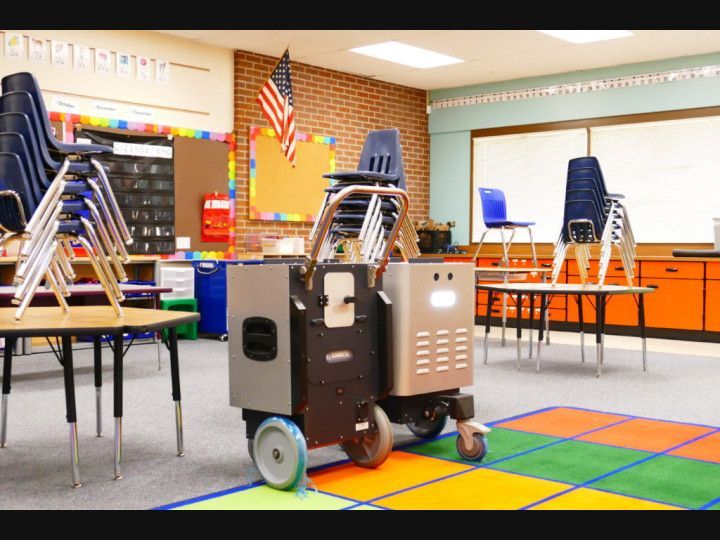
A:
(310, 353)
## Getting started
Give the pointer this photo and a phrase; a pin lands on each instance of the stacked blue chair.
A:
(46, 190)
(496, 219)
(362, 224)
(593, 216)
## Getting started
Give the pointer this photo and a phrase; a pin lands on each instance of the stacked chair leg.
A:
(594, 217)
(53, 194)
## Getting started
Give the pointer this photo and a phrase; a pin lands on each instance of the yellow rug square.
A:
(591, 499)
(481, 489)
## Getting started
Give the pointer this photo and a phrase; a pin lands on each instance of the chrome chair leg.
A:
(92, 237)
(109, 246)
(101, 276)
(110, 221)
(113, 202)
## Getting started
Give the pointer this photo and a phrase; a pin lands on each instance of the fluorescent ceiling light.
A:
(407, 55)
(587, 36)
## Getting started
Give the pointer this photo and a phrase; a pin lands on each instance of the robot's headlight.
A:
(443, 298)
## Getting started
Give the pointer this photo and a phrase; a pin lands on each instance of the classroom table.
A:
(510, 274)
(546, 290)
(94, 321)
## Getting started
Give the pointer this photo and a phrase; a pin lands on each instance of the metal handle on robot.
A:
(329, 214)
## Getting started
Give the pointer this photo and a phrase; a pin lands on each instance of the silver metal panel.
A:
(259, 291)
(433, 344)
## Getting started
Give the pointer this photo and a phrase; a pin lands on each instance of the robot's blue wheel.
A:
(280, 453)
(427, 428)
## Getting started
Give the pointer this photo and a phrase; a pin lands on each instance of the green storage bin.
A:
(188, 330)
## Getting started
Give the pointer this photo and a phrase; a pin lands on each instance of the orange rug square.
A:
(562, 422)
(648, 435)
(707, 449)
(400, 471)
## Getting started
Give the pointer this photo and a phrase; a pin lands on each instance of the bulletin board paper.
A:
(277, 190)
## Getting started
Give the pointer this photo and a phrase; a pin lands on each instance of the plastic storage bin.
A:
(187, 330)
(211, 293)
(180, 278)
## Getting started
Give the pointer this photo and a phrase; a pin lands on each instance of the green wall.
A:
(450, 128)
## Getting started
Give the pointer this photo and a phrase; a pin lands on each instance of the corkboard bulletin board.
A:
(277, 190)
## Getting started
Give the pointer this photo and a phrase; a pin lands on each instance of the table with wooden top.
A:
(93, 321)
(577, 290)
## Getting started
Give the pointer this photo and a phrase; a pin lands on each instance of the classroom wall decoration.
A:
(81, 57)
(277, 190)
(60, 53)
(14, 45)
(38, 50)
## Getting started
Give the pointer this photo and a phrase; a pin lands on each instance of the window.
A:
(669, 172)
(531, 169)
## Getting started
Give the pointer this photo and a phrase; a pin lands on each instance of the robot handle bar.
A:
(329, 214)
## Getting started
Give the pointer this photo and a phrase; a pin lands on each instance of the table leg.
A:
(7, 375)
(504, 319)
(532, 320)
(97, 371)
(175, 378)
(519, 327)
(599, 305)
(158, 334)
(488, 314)
(581, 326)
(71, 413)
(602, 329)
(641, 323)
(543, 310)
(118, 400)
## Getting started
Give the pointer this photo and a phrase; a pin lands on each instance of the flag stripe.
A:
(276, 101)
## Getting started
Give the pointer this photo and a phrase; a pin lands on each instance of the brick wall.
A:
(334, 104)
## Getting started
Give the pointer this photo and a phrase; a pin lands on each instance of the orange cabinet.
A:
(672, 269)
(712, 306)
(712, 270)
(676, 303)
(615, 269)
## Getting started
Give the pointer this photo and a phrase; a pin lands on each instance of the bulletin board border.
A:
(69, 120)
(255, 132)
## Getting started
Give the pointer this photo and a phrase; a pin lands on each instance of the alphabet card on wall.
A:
(162, 71)
(142, 64)
(38, 50)
(14, 45)
(60, 53)
(81, 57)
(103, 61)
(122, 65)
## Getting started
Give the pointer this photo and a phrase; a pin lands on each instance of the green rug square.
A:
(715, 507)
(267, 498)
(573, 462)
(680, 481)
(501, 444)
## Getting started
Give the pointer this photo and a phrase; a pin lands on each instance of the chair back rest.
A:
(14, 143)
(20, 123)
(588, 162)
(381, 153)
(26, 82)
(12, 177)
(22, 102)
(493, 205)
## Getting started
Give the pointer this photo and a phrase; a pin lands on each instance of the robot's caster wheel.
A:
(478, 450)
(374, 448)
(223, 337)
(280, 453)
(427, 428)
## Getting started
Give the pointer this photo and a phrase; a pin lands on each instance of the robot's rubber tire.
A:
(251, 449)
(280, 453)
(428, 429)
(374, 448)
(478, 450)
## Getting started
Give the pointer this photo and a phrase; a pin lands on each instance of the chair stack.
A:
(362, 224)
(593, 216)
(52, 194)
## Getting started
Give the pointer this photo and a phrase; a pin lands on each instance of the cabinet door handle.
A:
(619, 268)
(671, 269)
(546, 265)
(652, 286)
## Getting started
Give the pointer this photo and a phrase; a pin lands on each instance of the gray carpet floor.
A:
(35, 467)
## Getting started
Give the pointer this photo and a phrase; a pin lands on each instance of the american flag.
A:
(276, 100)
